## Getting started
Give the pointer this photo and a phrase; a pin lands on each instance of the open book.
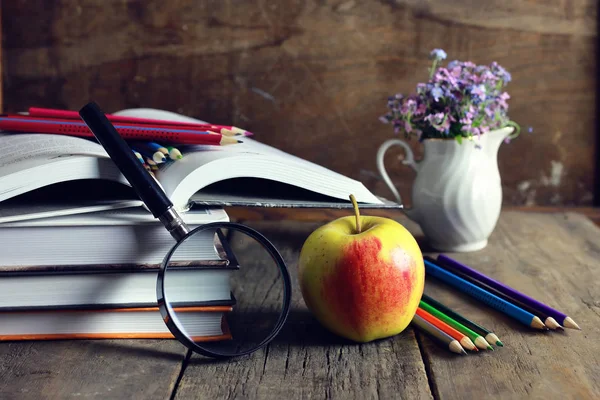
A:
(248, 174)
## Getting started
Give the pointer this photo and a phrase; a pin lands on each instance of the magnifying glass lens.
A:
(224, 290)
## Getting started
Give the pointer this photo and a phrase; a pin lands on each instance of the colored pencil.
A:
(444, 327)
(147, 168)
(129, 132)
(67, 114)
(479, 341)
(157, 147)
(484, 296)
(138, 155)
(147, 152)
(548, 321)
(559, 317)
(174, 153)
(153, 165)
(440, 336)
(486, 333)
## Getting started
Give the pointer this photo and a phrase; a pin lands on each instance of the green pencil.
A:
(486, 333)
(475, 337)
(174, 153)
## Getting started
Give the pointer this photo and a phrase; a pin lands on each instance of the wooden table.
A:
(551, 256)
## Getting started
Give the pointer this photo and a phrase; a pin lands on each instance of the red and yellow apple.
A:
(362, 276)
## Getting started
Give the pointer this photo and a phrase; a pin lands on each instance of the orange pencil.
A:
(464, 340)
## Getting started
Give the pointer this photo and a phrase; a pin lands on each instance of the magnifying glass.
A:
(223, 290)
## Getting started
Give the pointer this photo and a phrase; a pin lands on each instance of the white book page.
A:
(22, 151)
(123, 216)
(247, 159)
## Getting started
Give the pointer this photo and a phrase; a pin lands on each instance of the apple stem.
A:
(356, 213)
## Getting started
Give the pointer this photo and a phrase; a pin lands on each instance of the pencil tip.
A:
(551, 323)
(481, 343)
(536, 322)
(499, 343)
(569, 323)
(463, 352)
(490, 348)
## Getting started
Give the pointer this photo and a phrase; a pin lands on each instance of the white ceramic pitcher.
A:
(457, 194)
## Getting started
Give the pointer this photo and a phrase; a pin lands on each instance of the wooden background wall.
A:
(312, 77)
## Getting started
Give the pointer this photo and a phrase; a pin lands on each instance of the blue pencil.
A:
(138, 155)
(141, 148)
(484, 296)
(171, 152)
(157, 147)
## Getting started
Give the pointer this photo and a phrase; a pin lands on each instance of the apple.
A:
(362, 276)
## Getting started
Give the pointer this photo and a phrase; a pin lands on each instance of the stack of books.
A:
(93, 275)
(81, 253)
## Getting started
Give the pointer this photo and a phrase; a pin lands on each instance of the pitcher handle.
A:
(410, 161)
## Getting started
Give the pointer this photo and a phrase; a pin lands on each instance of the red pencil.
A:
(67, 114)
(122, 124)
(127, 131)
(444, 327)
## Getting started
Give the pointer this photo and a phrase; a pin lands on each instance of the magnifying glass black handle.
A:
(119, 151)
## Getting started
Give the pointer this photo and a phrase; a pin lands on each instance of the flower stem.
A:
(432, 70)
(356, 213)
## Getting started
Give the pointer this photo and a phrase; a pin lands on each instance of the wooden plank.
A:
(553, 258)
(305, 360)
(312, 77)
(325, 215)
(1, 63)
(123, 369)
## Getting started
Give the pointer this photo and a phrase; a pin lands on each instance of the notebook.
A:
(201, 323)
(105, 288)
(242, 173)
(112, 239)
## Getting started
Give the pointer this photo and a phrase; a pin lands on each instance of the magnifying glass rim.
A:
(168, 314)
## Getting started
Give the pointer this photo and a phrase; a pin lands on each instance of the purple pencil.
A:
(567, 321)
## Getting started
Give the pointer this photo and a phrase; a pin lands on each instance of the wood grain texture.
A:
(553, 258)
(312, 77)
(550, 256)
(109, 369)
(326, 215)
(1, 63)
(305, 360)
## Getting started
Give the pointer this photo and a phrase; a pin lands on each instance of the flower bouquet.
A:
(459, 101)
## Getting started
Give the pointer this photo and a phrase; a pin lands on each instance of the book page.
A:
(199, 155)
(36, 149)
(203, 165)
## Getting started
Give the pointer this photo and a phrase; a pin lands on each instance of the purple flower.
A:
(479, 91)
(438, 54)
(500, 72)
(502, 100)
(436, 92)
